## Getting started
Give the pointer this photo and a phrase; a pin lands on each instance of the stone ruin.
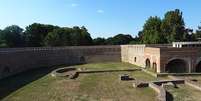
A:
(140, 84)
(125, 77)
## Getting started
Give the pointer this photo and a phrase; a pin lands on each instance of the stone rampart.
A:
(16, 60)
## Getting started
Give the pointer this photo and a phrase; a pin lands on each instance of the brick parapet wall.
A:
(16, 60)
(189, 55)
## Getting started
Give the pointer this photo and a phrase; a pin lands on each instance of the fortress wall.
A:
(133, 54)
(190, 55)
(16, 60)
(153, 54)
(137, 54)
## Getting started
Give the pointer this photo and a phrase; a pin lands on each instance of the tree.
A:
(170, 29)
(2, 40)
(75, 36)
(36, 33)
(119, 39)
(11, 36)
(173, 26)
(198, 33)
(59, 37)
(151, 33)
(80, 36)
(190, 36)
(136, 40)
(85, 37)
(99, 41)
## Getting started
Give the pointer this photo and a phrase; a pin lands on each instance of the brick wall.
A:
(16, 60)
(133, 54)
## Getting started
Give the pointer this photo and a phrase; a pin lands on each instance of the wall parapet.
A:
(16, 60)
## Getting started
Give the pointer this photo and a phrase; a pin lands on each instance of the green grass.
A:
(151, 70)
(184, 93)
(107, 66)
(107, 86)
(38, 85)
(195, 77)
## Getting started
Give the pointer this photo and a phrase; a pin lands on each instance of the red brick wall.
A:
(21, 59)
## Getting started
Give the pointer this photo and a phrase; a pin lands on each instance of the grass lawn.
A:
(196, 77)
(107, 66)
(38, 85)
(184, 93)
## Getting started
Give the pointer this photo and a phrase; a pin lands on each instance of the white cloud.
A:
(100, 11)
(74, 5)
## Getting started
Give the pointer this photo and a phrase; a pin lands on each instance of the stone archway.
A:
(148, 63)
(4, 71)
(82, 59)
(176, 66)
(198, 67)
(135, 59)
(155, 67)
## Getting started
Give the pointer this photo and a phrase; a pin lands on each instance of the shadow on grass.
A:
(13, 83)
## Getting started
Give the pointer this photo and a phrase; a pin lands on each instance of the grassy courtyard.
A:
(195, 79)
(38, 85)
(183, 93)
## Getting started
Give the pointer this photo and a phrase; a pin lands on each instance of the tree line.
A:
(167, 30)
(39, 35)
(155, 31)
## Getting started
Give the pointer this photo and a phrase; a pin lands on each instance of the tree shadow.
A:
(15, 82)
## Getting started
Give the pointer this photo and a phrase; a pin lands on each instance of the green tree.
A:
(198, 33)
(11, 36)
(59, 37)
(75, 36)
(80, 36)
(136, 40)
(2, 40)
(85, 37)
(151, 33)
(99, 41)
(173, 26)
(119, 39)
(36, 33)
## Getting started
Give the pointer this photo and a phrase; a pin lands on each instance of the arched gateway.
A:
(176, 66)
(198, 67)
(148, 63)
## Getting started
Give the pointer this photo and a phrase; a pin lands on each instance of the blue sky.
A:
(103, 18)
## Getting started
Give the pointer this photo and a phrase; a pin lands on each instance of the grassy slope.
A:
(88, 87)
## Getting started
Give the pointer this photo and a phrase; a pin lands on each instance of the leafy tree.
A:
(190, 36)
(53, 39)
(136, 40)
(151, 33)
(75, 36)
(99, 41)
(2, 40)
(198, 32)
(173, 26)
(85, 37)
(80, 36)
(36, 33)
(11, 36)
(119, 39)
(59, 37)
